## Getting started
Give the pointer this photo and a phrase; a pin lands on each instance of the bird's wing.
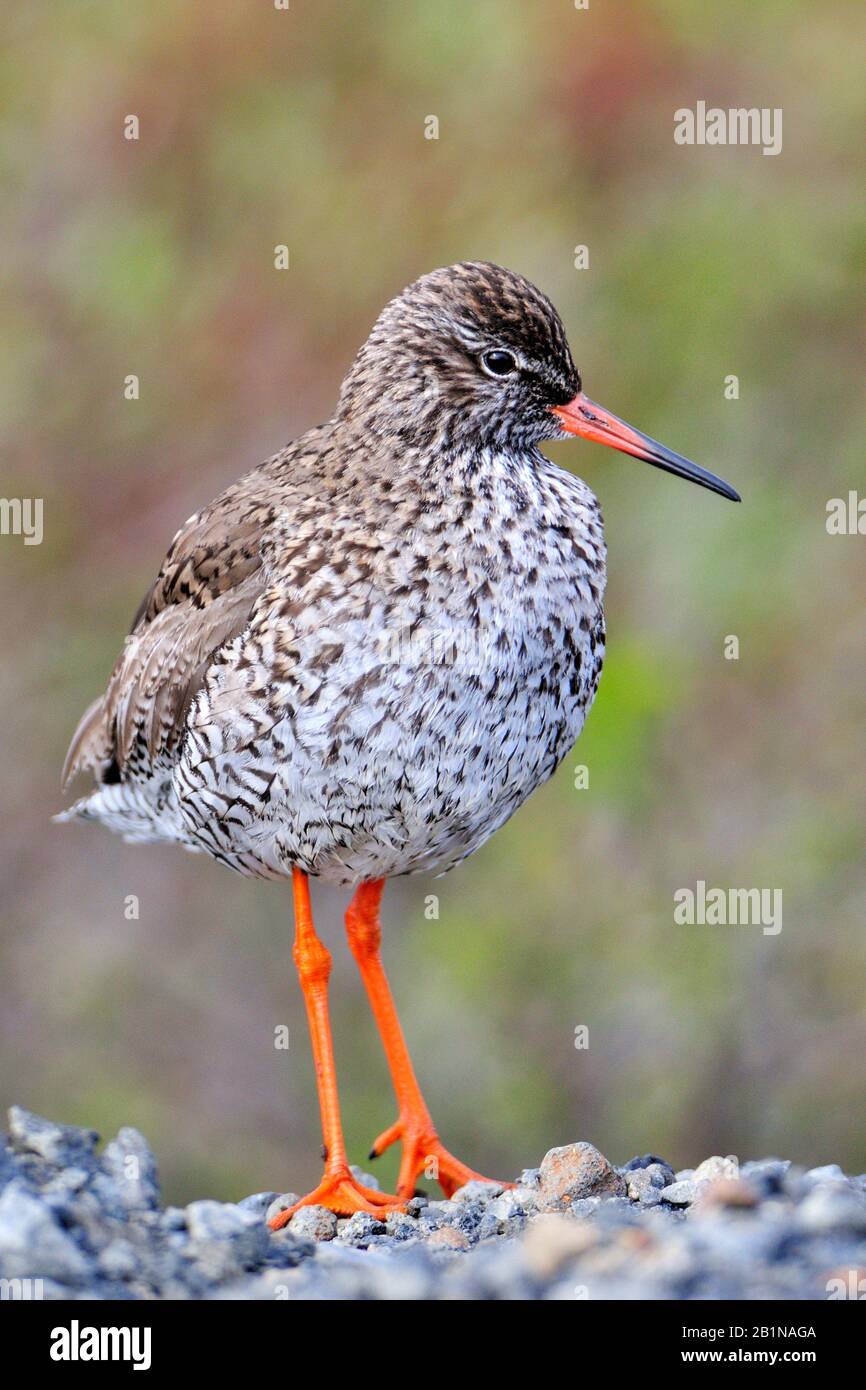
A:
(201, 598)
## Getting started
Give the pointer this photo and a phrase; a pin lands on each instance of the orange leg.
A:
(338, 1190)
(423, 1151)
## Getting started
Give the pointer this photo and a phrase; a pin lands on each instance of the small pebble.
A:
(735, 1193)
(358, 1229)
(314, 1223)
(55, 1143)
(280, 1204)
(259, 1202)
(645, 1184)
(715, 1167)
(470, 1191)
(681, 1193)
(401, 1227)
(129, 1160)
(832, 1209)
(646, 1161)
(576, 1171)
(449, 1237)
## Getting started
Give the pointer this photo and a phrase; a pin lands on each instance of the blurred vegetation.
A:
(155, 257)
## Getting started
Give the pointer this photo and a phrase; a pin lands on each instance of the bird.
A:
(361, 658)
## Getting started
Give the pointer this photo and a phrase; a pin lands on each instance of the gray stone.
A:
(661, 1173)
(646, 1161)
(646, 1184)
(682, 1192)
(68, 1180)
(489, 1225)
(104, 1191)
(715, 1167)
(223, 1239)
(585, 1207)
(472, 1191)
(401, 1227)
(314, 1223)
(508, 1209)
(129, 1160)
(765, 1167)
(770, 1175)
(55, 1143)
(651, 1197)
(832, 1209)
(280, 1204)
(529, 1197)
(827, 1173)
(358, 1229)
(33, 1245)
(119, 1259)
(10, 1167)
(433, 1215)
(259, 1203)
(207, 1220)
(465, 1214)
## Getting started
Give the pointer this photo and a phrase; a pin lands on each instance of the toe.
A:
(343, 1195)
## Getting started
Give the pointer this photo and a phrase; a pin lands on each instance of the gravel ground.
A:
(91, 1225)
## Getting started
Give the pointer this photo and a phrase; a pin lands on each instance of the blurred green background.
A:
(155, 257)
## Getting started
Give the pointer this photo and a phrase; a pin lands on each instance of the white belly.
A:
(406, 757)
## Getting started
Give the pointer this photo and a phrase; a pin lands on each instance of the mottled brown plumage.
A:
(362, 657)
(201, 598)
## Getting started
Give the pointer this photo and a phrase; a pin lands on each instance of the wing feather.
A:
(201, 599)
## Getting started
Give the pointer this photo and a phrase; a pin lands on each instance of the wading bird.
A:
(363, 657)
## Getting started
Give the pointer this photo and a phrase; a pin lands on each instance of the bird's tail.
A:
(141, 812)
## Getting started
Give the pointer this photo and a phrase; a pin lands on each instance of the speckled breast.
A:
(393, 735)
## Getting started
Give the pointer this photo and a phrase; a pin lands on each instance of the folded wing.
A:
(202, 598)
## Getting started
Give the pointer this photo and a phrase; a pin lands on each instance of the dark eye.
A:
(498, 362)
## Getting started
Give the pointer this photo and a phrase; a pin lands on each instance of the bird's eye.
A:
(498, 362)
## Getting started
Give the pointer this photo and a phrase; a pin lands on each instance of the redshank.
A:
(361, 658)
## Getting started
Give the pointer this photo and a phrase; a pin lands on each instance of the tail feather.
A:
(142, 812)
(91, 742)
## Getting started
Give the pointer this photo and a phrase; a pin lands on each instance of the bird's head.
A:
(473, 357)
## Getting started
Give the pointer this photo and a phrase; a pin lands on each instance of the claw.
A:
(386, 1139)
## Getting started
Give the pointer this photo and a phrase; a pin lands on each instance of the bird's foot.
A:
(424, 1155)
(341, 1192)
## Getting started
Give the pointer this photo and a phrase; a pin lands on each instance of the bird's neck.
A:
(433, 467)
